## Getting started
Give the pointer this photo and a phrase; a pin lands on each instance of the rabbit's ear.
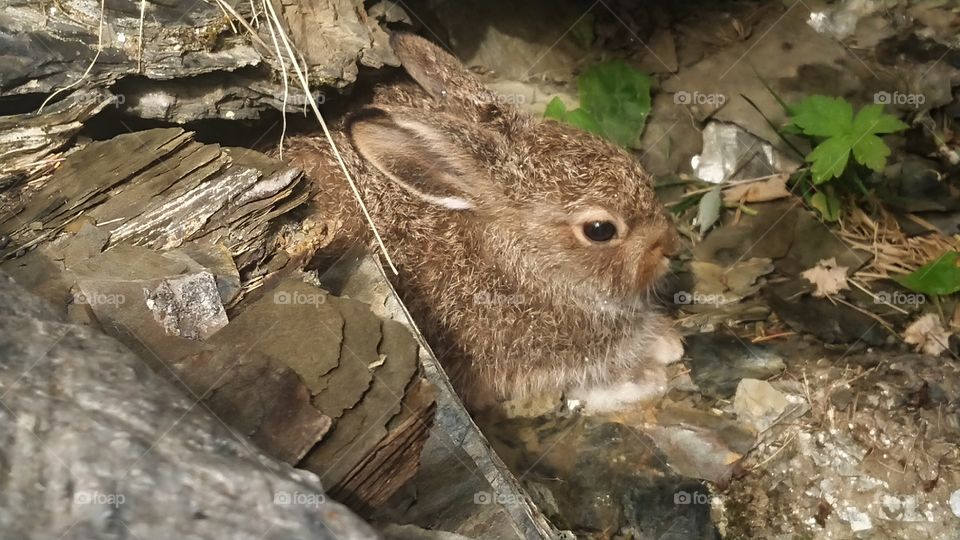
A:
(421, 158)
(438, 72)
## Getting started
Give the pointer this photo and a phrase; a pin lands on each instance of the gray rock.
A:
(93, 444)
(718, 362)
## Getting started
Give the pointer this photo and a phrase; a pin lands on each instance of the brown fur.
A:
(562, 313)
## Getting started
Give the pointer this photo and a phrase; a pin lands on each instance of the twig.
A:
(782, 446)
(877, 298)
(326, 132)
(286, 84)
(243, 22)
(870, 314)
(143, 9)
(771, 337)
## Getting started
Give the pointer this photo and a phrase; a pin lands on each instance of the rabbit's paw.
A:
(616, 396)
(667, 349)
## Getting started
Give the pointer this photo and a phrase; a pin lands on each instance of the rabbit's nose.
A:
(666, 241)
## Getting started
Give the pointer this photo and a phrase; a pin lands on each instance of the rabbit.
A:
(527, 249)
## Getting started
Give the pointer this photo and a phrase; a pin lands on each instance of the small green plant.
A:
(838, 133)
(614, 103)
(835, 134)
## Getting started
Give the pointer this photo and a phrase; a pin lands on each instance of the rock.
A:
(27, 139)
(412, 532)
(116, 448)
(732, 153)
(722, 73)
(188, 306)
(162, 189)
(719, 361)
(783, 231)
(758, 404)
(699, 444)
(828, 321)
(217, 260)
(510, 41)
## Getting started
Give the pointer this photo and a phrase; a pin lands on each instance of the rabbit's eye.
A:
(599, 231)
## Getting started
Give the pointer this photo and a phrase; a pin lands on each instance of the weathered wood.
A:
(160, 188)
(193, 63)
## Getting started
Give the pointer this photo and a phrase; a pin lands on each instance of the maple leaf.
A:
(828, 277)
(927, 334)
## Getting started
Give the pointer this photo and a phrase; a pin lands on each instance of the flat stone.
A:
(718, 361)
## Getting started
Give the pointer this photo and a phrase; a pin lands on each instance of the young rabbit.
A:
(527, 249)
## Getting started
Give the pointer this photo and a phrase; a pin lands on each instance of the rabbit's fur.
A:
(481, 208)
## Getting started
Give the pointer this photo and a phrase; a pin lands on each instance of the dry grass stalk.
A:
(894, 253)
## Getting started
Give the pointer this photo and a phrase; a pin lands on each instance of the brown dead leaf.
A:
(828, 277)
(768, 190)
(928, 334)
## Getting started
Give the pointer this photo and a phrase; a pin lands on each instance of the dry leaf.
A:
(827, 277)
(928, 334)
(768, 190)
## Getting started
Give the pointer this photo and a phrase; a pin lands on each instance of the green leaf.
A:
(940, 277)
(584, 121)
(872, 152)
(617, 97)
(829, 158)
(826, 205)
(556, 109)
(871, 119)
(832, 120)
(708, 211)
(822, 116)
